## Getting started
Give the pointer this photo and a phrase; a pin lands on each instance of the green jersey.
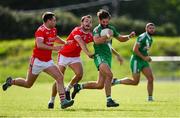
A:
(103, 53)
(105, 48)
(145, 42)
(136, 63)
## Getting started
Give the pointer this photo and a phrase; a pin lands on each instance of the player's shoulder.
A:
(142, 36)
(41, 28)
(40, 31)
(77, 29)
(97, 28)
(111, 26)
(80, 31)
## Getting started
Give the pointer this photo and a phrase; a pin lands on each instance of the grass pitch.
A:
(20, 102)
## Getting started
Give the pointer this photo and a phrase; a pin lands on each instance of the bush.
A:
(167, 29)
(8, 23)
(125, 25)
(19, 24)
(168, 46)
(66, 22)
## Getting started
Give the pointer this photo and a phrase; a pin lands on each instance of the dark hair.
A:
(103, 14)
(47, 16)
(86, 16)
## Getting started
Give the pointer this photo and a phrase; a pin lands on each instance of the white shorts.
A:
(66, 61)
(37, 66)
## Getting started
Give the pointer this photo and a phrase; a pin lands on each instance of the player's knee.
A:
(136, 83)
(79, 75)
(59, 80)
(100, 86)
(28, 85)
(150, 80)
(110, 75)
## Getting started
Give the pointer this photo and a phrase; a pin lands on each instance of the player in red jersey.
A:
(69, 55)
(41, 60)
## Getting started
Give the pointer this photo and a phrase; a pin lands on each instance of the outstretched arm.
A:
(124, 38)
(60, 40)
(41, 45)
(119, 58)
(83, 46)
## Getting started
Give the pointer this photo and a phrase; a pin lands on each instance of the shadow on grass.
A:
(161, 101)
(105, 109)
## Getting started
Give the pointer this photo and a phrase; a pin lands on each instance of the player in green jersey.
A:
(139, 61)
(103, 56)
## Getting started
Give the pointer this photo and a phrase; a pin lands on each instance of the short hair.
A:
(103, 14)
(47, 16)
(149, 24)
(86, 16)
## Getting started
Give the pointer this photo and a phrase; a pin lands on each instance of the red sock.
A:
(62, 96)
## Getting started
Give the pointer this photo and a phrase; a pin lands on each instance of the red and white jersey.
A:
(49, 36)
(72, 48)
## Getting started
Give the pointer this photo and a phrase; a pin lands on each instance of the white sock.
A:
(68, 88)
(52, 100)
(108, 98)
(119, 81)
(115, 81)
(81, 86)
(124, 78)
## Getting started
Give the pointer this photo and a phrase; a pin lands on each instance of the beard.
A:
(87, 27)
(104, 26)
(150, 33)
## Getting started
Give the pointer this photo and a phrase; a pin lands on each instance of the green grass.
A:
(20, 102)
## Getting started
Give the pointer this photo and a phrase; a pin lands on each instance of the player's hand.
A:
(57, 48)
(148, 58)
(132, 34)
(120, 59)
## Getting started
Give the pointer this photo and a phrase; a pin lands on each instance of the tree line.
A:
(17, 22)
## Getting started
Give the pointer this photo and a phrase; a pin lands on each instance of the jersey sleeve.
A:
(139, 40)
(39, 34)
(75, 32)
(115, 32)
(96, 32)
